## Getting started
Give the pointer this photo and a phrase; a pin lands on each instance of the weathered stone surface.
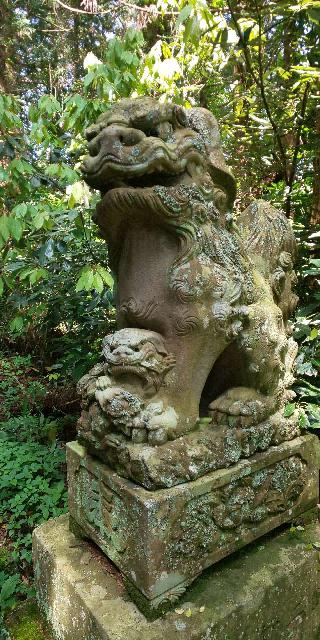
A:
(186, 410)
(205, 449)
(269, 591)
(202, 304)
(162, 540)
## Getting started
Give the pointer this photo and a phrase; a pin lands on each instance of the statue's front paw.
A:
(241, 406)
(103, 382)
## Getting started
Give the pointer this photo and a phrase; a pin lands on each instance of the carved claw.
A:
(158, 437)
(242, 404)
(139, 436)
(103, 382)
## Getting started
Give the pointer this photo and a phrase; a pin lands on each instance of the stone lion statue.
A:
(202, 301)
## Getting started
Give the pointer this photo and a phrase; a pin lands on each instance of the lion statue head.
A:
(139, 143)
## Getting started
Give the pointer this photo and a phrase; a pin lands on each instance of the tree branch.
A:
(259, 80)
(87, 13)
(151, 10)
(264, 97)
(293, 168)
(53, 30)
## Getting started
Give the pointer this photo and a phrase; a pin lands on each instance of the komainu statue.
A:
(202, 301)
(188, 448)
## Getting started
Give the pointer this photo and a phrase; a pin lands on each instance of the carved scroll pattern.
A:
(218, 518)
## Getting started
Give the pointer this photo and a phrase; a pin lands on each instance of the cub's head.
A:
(137, 352)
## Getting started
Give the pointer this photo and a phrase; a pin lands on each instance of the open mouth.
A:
(161, 167)
(150, 180)
(120, 371)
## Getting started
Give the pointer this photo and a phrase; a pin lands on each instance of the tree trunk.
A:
(315, 214)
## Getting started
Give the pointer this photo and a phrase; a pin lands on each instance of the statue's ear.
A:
(179, 116)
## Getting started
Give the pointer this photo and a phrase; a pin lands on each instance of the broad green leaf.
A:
(9, 587)
(16, 228)
(20, 209)
(16, 325)
(4, 227)
(89, 79)
(97, 283)
(192, 29)
(25, 273)
(85, 282)
(313, 334)
(48, 104)
(303, 420)
(106, 276)
(184, 14)
(37, 274)
(314, 15)
(1, 286)
(289, 410)
(38, 219)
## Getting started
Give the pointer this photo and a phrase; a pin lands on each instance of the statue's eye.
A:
(152, 133)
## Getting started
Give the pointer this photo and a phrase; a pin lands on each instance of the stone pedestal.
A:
(268, 591)
(162, 540)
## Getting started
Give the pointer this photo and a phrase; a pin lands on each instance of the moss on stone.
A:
(26, 623)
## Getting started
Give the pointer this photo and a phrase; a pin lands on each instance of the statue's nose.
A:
(112, 138)
(92, 131)
(122, 351)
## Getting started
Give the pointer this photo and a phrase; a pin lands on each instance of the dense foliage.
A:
(256, 65)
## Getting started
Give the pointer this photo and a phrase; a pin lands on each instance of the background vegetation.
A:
(256, 65)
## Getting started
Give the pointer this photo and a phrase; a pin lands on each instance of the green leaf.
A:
(20, 209)
(16, 325)
(89, 79)
(106, 276)
(4, 227)
(313, 334)
(314, 425)
(1, 286)
(77, 193)
(246, 34)
(192, 30)
(16, 228)
(48, 104)
(303, 420)
(289, 410)
(314, 15)
(38, 219)
(37, 274)
(97, 283)
(85, 282)
(9, 587)
(184, 14)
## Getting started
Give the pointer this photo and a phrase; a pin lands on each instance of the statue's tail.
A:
(270, 242)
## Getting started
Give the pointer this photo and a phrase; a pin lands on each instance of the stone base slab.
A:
(209, 447)
(162, 540)
(268, 591)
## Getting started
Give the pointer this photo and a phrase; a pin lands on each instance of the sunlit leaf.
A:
(289, 410)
